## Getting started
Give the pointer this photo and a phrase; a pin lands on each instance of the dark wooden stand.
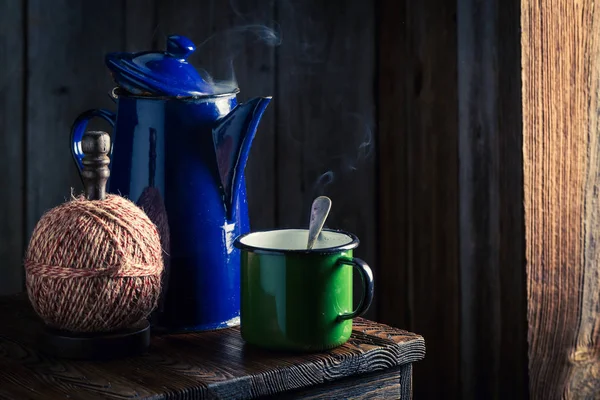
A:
(96, 346)
(375, 363)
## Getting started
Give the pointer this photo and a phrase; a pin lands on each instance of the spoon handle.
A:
(318, 214)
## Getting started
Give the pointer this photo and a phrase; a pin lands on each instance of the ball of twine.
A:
(94, 266)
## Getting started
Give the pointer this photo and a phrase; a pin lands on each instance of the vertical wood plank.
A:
(325, 118)
(394, 84)
(584, 378)
(236, 39)
(561, 76)
(12, 45)
(451, 172)
(492, 264)
(513, 375)
(67, 42)
(432, 192)
(406, 390)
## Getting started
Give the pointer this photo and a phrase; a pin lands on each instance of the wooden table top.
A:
(215, 364)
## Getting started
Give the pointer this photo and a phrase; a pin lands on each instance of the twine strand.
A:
(94, 266)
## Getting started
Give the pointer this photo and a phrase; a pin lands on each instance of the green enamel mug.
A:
(296, 299)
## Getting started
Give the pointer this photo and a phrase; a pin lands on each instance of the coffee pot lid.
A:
(159, 73)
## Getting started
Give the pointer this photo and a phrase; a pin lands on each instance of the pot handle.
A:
(78, 129)
(367, 279)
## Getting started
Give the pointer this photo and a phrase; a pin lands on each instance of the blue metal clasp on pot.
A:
(180, 148)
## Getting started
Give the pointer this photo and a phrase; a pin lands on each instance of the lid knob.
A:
(179, 46)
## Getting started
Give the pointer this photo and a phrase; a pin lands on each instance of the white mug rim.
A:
(352, 244)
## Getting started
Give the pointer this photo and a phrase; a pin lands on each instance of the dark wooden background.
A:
(458, 139)
(317, 137)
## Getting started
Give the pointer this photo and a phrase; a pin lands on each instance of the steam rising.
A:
(352, 152)
(322, 182)
(261, 33)
(229, 44)
(331, 164)
(364, 149)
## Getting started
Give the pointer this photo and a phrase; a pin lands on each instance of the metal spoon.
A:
(318, 214)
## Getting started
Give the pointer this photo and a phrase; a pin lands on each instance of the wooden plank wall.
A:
(66, 43)
(419, 285)
(317, 136)
(491, 231)
(236, 40)
(12, 165)
(326, 116)
(451, 197)
(476, 209)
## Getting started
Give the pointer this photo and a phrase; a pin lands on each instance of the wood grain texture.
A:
(325, 118)
(214, 364)
(67, 42)
(561, 75)
(385, 385)
(12, 199)
(419, 145)
(236, 43)
(406, 379)
(491, 235)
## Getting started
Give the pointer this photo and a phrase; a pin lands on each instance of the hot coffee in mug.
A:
(298, 299)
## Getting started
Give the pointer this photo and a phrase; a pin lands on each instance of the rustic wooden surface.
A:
(561, 145)
(206, 365)
(12, 163)
(493, 321)
(419, 284)
(393, 384)
(442, 222)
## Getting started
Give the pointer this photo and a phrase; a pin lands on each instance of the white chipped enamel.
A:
(294, 239)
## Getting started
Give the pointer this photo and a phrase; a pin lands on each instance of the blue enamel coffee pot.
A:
(179, 150)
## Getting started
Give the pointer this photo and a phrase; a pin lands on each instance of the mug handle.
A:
(78, 129)
(367, 279)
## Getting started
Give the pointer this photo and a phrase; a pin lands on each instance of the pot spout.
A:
(232, 138)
